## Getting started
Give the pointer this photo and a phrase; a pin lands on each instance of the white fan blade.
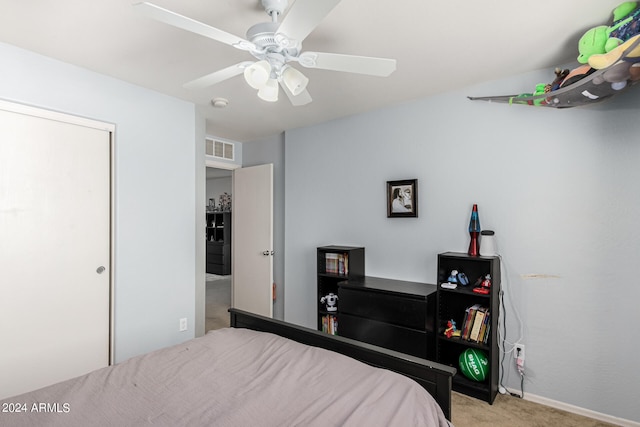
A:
(303, 98)
(349, 63)
(218, 76)
(163, 15)
(303, 17)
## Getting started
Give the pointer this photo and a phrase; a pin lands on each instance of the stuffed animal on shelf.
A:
(617, 75)
(555, 84)
(576, 75)
(602, 39)
(331, 300)
(628, 51)
(540, 90)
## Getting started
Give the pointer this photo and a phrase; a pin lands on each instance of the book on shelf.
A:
(336, 263)
(330, 324)
(468, 321)
(478, 320)
(331, 263)
(483, 337)
(486, 334)
(476, 324)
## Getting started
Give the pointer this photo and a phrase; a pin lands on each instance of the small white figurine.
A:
(331, 300)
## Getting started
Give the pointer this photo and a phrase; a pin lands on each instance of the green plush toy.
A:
(603, 39)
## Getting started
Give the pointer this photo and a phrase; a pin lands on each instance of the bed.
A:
(259, 371)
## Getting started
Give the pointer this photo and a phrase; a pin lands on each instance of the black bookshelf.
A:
(219, 242)
(335, 264)
(452, 304)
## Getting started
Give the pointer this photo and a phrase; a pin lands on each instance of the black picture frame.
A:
(402, 198)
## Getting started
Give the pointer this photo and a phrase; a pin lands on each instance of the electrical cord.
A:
(515, 311)
(502, 338)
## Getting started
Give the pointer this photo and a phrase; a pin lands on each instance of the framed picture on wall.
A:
(402, 198)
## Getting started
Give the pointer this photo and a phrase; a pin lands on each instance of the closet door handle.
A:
(100, 269)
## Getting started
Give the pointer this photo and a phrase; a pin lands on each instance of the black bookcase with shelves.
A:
(219, 242)
(453, 304)
(335, 264)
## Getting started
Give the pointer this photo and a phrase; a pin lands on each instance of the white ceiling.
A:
(439, 45)
(214, 173)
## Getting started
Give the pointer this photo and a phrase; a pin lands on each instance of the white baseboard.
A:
(576, 409)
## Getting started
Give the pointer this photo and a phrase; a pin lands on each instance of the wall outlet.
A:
(518, 354)
(519, 351)
(183, 324)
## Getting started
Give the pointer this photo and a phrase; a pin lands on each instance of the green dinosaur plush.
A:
(623, 10)
(603, 38)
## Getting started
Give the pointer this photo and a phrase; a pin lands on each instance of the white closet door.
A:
(54, 241)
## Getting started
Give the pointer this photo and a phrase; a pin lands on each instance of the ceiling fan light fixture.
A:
(269, 92)
(295, 81)
(257, 74)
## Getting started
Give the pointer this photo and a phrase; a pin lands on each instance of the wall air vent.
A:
(219, 149)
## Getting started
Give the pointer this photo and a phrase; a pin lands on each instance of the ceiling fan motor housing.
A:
(263, 36)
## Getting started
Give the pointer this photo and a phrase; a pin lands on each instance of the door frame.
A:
(44, 113)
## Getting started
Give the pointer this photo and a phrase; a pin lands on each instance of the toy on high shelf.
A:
(331, 301)
(611, 54)
(484, 286)
(603, 39)
(458, 277)
(453, 277)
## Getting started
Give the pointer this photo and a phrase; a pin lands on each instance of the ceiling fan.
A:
(275, 44)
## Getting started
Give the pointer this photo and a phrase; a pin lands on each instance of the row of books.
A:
(336, 263)
(330, 324)
(476, 324)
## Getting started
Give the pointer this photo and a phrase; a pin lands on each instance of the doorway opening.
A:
(218, 247)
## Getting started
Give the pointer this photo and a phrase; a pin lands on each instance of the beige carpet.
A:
(513, 412)
(218, 301)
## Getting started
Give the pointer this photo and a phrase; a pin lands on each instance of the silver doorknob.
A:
(100, 269)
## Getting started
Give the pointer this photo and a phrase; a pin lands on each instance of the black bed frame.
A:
(433, 377)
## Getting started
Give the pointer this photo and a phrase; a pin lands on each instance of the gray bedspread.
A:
(230, 377)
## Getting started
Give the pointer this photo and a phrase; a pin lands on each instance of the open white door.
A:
(252, 240)
(55, 247)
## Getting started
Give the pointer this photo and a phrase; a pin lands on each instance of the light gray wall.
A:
(155, 211)
(216, 187)
(559, 187)
(271, 150)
